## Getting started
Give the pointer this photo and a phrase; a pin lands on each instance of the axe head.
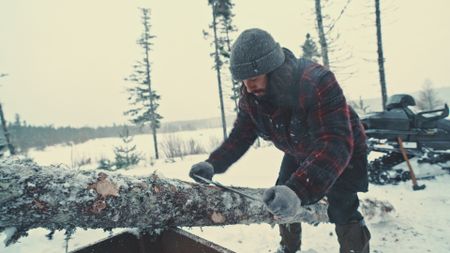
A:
(418, 187)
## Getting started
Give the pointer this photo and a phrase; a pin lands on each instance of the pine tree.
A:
(126, 155)
(225, 15)
(143, 97)
(222, 27)
(218, 64)
(17, 121)
(309, 49)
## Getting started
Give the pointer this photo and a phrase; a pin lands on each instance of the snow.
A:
(8, 233)
(421, 222)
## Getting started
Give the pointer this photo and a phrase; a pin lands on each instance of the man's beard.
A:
(268, 98)
(273, 97)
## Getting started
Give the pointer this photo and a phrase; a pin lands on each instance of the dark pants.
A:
(342, 210)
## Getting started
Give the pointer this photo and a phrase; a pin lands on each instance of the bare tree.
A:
(143, 96)
(360, 106)
(380, 54)
(428, 99)
(334, 53)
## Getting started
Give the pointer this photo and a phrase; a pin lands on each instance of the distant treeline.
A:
(24, 136)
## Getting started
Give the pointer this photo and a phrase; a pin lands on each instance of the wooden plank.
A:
(173, 240)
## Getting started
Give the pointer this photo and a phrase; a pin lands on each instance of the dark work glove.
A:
(282, 201)
(203, 169)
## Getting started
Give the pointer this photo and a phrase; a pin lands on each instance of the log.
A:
(56, 198)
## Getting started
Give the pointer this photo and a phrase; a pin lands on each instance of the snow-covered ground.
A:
(421, 222)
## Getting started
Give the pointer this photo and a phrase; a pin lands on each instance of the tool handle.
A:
(405, 157)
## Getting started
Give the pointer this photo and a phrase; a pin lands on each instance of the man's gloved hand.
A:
(203, 169)
(282, 201)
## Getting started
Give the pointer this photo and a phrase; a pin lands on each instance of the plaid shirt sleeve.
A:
(238, 142)
(328, 120)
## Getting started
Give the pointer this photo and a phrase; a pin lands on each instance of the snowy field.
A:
(420, 223)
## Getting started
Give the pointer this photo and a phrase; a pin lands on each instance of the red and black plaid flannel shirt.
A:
(321, 132)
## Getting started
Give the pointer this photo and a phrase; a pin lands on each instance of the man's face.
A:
(256, 85)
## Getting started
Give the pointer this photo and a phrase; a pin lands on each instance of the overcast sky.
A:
(66, 60)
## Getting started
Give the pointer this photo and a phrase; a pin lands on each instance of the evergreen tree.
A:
(309, 49)
(17, 121)
(126, 155)
(217, 7)
(226, 28)
(143, 98)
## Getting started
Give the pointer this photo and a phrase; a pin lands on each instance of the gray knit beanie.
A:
(254, 53)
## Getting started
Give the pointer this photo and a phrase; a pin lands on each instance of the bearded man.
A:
(299, 106)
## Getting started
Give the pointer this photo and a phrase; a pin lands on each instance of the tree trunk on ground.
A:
(56, 198)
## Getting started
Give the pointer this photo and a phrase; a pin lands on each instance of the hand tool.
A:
(207, 181)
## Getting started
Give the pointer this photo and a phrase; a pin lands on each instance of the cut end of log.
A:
(217, 218)
(104, 187)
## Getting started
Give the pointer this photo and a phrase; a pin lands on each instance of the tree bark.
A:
(56, 198)
(11, 148)
(146, 43)
(380, 55)
(322, 36)
(218, 66)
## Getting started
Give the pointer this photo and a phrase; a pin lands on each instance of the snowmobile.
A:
(426, 136)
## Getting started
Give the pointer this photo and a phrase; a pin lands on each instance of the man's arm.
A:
(238, 142)
(331, 147)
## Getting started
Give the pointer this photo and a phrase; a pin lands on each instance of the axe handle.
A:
(405, 157)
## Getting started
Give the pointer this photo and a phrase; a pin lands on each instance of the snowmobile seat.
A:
(400, 101)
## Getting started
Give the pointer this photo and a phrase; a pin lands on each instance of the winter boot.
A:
(353, 237)
(291, 235)
(283, 249)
